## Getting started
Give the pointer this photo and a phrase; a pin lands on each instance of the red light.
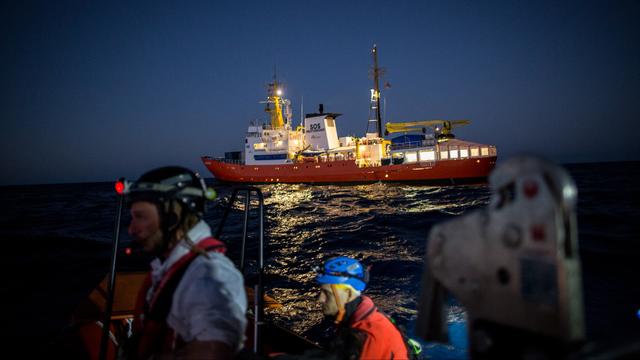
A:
(538, 232)
(530, 188)
(127, 251)
(119, 187)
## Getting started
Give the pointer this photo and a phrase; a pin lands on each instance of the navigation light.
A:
(119, 187)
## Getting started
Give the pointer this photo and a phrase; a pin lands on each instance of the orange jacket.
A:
(382, 340)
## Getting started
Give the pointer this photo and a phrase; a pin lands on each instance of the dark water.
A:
(57, 245)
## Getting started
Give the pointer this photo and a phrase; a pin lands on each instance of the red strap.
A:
(155, 334)
(207, 244)
(141, 300)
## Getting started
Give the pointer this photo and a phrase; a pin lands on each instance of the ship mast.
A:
(374, 108)
(274, 96)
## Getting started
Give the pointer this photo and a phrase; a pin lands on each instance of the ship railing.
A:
(366, 163)
(271, 127)
(326, 158)
(225, 160)
(412, 144)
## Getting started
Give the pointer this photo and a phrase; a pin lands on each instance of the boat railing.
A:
(412, 144)
(406, 145)
(258, 311)
(225, 160)
(325, 158)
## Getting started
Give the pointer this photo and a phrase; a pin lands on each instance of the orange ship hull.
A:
(346, 171)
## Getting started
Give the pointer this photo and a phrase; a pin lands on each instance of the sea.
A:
(57, 243)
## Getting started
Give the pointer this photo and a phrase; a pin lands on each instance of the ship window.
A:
(453, 154)
(464, 153)
(484, 151)
(427, 155)
(444, 155)
(410, 157)
(475, 152)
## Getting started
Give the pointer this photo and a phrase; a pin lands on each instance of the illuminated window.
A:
(453, 154)
(464, 153)
(475, 152)
(444, 155)
(484, 151)
(427, 155)
(411, 157)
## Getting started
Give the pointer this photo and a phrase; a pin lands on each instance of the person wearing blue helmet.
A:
(363, 332)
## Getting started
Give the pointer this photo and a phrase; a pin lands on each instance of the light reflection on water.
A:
(384, 225)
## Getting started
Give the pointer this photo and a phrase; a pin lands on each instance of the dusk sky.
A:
(91, 91)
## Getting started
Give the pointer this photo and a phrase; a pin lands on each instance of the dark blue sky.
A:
(91, 92)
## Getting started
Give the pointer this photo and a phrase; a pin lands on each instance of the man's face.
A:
(328, 300)
(145, 225)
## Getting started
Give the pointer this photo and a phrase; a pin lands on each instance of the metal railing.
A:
(258, 321)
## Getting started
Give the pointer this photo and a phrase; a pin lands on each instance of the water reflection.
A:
(385, 225)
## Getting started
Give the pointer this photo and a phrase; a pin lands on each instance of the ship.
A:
(424, 151)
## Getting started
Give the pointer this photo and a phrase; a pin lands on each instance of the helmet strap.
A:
(341, 311)
(170, 224)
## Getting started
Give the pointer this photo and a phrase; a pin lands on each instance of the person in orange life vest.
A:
(363, 332)
(193, 304)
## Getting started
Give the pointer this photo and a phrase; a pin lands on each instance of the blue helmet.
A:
(344, 270)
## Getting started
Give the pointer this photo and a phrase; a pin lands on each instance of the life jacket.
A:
(382, 338)
(90, 335)
(150, 328)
